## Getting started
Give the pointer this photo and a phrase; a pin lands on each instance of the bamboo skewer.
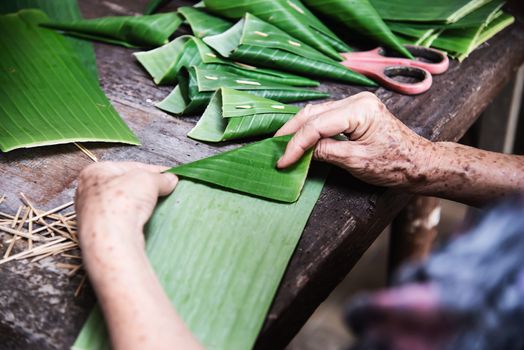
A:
(87, 152)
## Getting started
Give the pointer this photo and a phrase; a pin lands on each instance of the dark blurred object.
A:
(516, 8)
(469, 295)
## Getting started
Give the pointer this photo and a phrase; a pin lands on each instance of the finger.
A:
(325, 125)
(330, 150)
(166, 183)
(294, 124)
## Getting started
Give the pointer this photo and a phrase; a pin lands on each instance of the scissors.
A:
(379, 65)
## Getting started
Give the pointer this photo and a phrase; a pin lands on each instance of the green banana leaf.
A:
(447, 11)
(58, 10)
(46, 96)
(220, 257)
(203, 24)
(291, 16)
(359, 16)
(164, 63)
(259, 43)
(252, 169)
(127, 31)
(499, 23)
(153, 5)
(235, 114)
(197, 85)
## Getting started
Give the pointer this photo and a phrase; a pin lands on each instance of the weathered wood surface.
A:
(37, 308)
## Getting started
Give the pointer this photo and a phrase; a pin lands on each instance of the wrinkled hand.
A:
(381, 150)
(114, 197)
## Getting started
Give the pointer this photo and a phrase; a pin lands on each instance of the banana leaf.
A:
(235, 114)
(153, 5)
(58, 10)
(359, 16)
(46, 96)
(446, 11)
(164, 63)
(203, 24)
(252, 169)
(259, 43)
(127, 31)
(197, 85)
(220, 257)
(291, 16)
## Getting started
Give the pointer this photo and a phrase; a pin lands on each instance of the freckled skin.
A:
(113, 202)
(382, 151)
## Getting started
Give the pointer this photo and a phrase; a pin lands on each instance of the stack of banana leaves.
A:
(457, 27)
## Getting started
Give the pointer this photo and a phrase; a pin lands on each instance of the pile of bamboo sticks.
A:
(34, 234)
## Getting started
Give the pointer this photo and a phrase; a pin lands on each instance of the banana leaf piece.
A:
(202, 23)
(58, 10)
(220, 257)
(291, 16)
(359, 16)
(235, 114)
(446, 11)
(259, 43)
(164, 63)
(46, 96)
(127, 31)
(251, 169)
(197, 85)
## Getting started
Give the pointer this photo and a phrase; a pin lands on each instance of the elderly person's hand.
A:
(380, 149)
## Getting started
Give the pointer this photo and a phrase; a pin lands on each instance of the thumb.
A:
(166, 183)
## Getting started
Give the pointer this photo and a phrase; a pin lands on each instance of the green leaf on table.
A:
(165, 62)
(197, 85)
(291, 16)
(359, 16)
(447, 11)
(58, 10)
(46, 96)
(253, 41)
(127, 31)
(203, 24)
(220, 257)
(252, 169)
(233, 114)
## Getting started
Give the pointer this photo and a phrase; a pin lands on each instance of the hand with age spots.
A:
(382, 151)
(113, 202)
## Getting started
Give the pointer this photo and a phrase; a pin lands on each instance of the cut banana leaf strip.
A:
(291, 16)
(197, 85)
(58, 10)
(255, 42)
(46, 96)
(127, 31)
(233, 114)
(202, 23)
(359, 16)
(164, 63)
(447, 11)
(252, 169)
(220, 257)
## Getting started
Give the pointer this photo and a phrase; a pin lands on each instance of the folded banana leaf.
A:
(220, 257)
(127, 31)
(259, 43)
(291, 16)
(447, 11)
(252, 169)
(359, 16)
(233, 114)
(46, 95)
(197, 85)
(58, 10)
(164, 63)
(203, 24)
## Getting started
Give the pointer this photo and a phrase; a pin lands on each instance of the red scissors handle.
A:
(377, 65)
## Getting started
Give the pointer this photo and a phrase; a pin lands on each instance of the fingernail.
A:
(279, 163)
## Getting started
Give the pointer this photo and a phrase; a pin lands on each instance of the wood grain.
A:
(345, 221)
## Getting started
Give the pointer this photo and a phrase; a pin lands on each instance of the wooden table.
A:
(37, 307)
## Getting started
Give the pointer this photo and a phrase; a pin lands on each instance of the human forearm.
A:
(137, 311)
(469, 175)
